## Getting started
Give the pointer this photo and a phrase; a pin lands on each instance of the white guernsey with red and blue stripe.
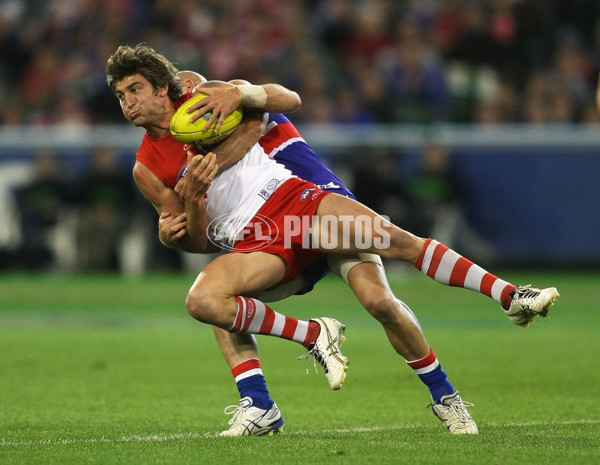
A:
(282, 142)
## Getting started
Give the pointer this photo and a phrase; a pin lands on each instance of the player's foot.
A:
(528, 303)
(326, 351)
(248, 420)
(452, 411)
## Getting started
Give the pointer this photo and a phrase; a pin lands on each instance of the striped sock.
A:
(429, 370)
(447, 267)
(254, 317)
(251, 383)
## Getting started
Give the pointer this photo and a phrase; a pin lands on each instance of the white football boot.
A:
(452, 411)
(248, 420)
(326, 351)
(528, 303)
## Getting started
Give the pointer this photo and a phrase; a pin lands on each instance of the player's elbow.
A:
(281, 99)
(295, 101)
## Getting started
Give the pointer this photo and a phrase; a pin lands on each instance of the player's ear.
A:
(187, 85)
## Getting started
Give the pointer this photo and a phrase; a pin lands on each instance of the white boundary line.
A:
(188, 436)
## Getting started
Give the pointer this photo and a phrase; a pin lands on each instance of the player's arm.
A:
(191, 190)
(225, 97)
(237, 145)
(251, 128)
(177, 228)
(270, 98)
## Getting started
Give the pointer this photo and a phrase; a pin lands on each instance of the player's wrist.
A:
(253, 96)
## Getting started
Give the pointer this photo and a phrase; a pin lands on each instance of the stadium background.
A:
(503, 90)
(102, 368)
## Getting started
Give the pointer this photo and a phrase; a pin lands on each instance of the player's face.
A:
(140, 102)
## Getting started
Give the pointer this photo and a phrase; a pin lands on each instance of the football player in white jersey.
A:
(521, 303)
(363, 272)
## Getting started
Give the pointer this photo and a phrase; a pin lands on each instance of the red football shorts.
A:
(281, 226)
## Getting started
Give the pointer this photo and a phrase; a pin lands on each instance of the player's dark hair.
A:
(143, 59)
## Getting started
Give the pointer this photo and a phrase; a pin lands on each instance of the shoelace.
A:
(316, 358)
(460, 408)
(318, 353)
(455, 404)
(526, 292)
(237, 411)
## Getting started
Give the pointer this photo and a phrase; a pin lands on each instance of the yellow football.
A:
(193, 133)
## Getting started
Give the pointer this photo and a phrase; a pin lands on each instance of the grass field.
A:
(112, 370)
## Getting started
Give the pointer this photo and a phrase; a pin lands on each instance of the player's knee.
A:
(200, 305)
(381, 305)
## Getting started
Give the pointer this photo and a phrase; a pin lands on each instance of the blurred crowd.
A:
(351, 61)
(80, 218)
(361, 61)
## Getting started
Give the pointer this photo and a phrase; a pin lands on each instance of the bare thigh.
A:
(212, 297)
(244, 274)
(360, 229)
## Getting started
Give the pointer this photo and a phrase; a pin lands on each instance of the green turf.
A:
(111, 370)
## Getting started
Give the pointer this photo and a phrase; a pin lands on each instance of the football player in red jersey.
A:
(439, 262)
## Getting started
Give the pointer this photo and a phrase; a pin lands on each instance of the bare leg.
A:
(236, 348)
(378, 235)
(369, 283)
(369, 232)
(212, 297)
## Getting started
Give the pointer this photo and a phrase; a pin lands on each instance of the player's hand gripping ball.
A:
(192, 133)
